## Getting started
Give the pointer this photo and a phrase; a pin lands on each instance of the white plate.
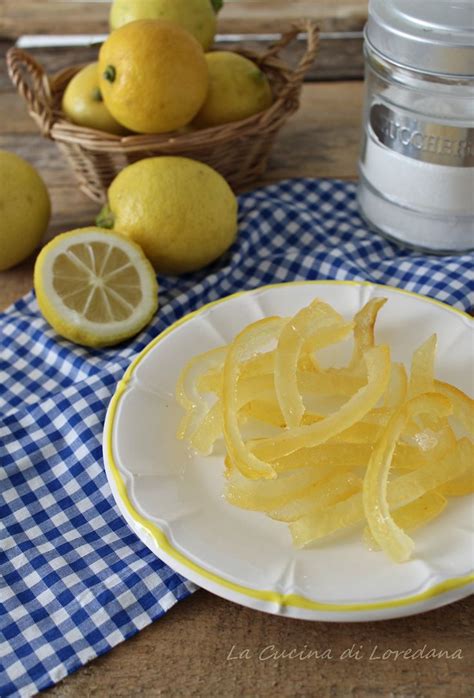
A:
(174, 501)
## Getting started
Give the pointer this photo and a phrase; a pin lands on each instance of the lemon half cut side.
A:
(95, 287)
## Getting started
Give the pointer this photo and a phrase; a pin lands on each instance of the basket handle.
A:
(307, 59)
(32, 83)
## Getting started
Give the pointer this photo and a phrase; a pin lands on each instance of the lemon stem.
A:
(106, 218)
(217, 5)
(96, 95)
(109, 73)
(257, 75)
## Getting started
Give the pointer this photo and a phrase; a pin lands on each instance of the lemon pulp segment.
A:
(98, 281)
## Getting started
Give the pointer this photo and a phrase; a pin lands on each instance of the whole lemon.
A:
(83, 104)
(199, 17)
(181, 212)
(25, 209)
(153, 76)
(237, 89)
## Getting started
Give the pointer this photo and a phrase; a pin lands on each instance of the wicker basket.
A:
(239, 151)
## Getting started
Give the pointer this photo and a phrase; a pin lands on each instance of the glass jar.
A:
(417, 160)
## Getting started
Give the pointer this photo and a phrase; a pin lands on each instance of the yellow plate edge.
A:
(161, 539)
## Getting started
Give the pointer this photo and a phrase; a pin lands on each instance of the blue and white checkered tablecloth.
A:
(74, 580)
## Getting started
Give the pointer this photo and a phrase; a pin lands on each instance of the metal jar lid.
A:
(432, 36)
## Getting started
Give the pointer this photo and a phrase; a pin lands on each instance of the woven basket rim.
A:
(65, 130)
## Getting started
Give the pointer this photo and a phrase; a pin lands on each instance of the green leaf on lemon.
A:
(105, 218)
(217, 5)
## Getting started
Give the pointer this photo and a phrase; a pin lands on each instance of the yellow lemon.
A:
(83, 104)
(181, 212)
(95, 287)
(237, 89)
(153, 75)
(199, 17)
(25, 209)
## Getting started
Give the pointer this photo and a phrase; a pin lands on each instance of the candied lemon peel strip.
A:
(463, 406)
(251, 340)
(331, 490)
(293, 336)
(187, 394)
(364, 329)
(383, 528)
(397, 388)
(422, 368)
(377, 362)
(413, 515)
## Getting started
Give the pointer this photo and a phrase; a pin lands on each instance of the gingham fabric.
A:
(74, 580)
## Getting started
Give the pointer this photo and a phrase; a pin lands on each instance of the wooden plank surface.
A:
(89, 17)
(188, 653)
(194, 650)
(340, 55)
(339, 58)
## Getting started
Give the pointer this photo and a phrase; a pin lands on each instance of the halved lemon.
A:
(95, 287)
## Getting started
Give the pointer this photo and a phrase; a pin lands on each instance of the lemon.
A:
(95, 287)
(153, 75)
(197, 16)
(25, 209)
(181, 212)
(237, 89)
(83, 104)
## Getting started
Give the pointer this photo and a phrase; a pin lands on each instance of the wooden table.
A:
(206, 646)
